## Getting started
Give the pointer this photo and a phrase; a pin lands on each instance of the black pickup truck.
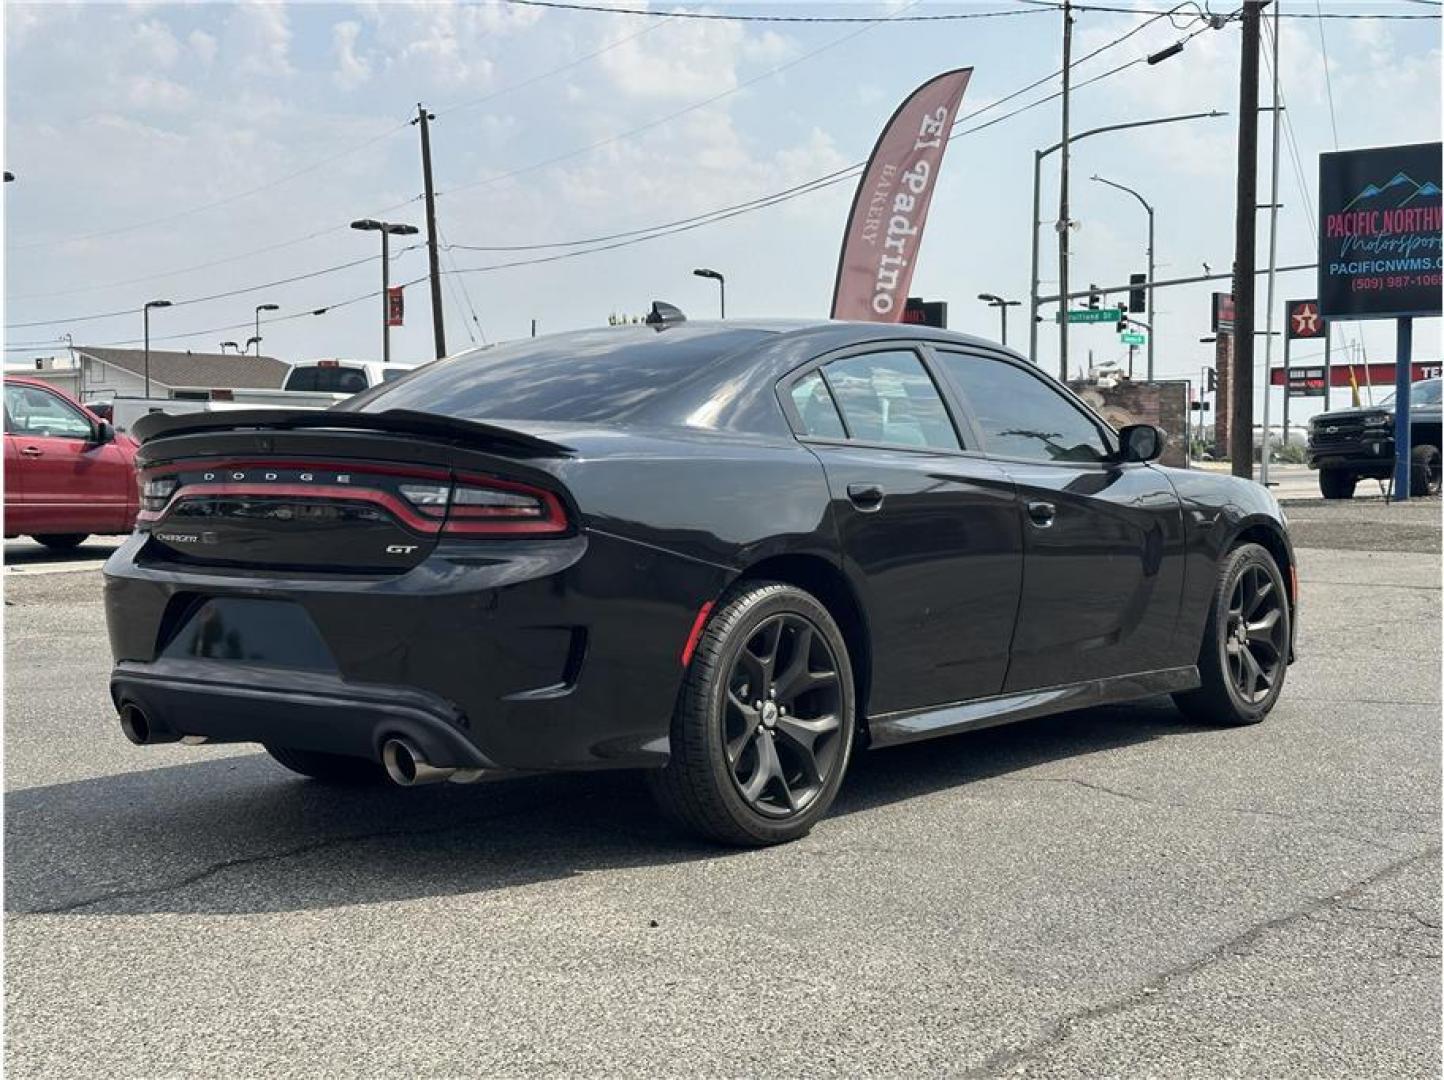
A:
(1349, 444)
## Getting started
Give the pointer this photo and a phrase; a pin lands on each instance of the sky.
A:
(183, 151)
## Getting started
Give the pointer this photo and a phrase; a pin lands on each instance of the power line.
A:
(709, 16)
(126, 312)
(1328, 79)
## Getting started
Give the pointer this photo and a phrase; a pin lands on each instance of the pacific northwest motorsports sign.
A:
(1379, 232)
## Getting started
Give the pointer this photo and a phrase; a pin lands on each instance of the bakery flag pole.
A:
(885, 224)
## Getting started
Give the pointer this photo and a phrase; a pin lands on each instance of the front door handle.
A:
(866, 497)
(32, 451)
(1041, 513)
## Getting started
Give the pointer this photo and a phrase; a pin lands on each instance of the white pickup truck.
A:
(310, 384)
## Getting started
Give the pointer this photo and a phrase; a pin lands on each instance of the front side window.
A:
(1021, 416)
(32, 411)
(889, 398)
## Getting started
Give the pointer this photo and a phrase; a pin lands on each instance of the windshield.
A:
(1424, 392)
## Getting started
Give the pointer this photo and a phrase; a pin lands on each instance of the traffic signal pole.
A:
(1063, 223)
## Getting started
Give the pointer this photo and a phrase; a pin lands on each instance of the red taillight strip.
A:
(328, 492)
(698, 625)
(480, 520)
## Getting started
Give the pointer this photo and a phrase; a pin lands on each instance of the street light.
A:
(260, 308)
(145, 316)
(232, 344)
(1152, 315)
(1038, 156)
(387, 229)
(1002, 305)
(721, 281)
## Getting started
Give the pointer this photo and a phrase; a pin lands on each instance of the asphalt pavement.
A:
(1116, 892)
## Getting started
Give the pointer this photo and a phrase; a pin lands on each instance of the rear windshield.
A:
(593, 376)
(329, 380)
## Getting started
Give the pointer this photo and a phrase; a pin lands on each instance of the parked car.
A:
(68, 474)
(1347, 445)
(726, 553)
(343, 376)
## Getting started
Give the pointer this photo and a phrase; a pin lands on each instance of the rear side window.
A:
(1021, 415)
(815, 407)
(888, 397)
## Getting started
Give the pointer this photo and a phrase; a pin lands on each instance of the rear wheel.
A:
(62, 541)
(764, 727)
(1245, 652)
(1337, 483)
(1424, 475)
(329, 768)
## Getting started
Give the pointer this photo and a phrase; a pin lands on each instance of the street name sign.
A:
(1087, 315)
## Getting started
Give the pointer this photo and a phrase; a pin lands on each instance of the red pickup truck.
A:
(67, 473)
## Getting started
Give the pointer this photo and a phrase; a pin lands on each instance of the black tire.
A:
(329, 768)
(801, 758)
(1337, 483)
(1227, 652)
(62, 541)
(1424, 470)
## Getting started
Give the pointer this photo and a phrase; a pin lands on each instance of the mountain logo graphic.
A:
(1400, 191)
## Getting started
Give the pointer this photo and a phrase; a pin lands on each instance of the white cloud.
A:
(157, 43)
(259, 36)
(203, 45)
(155, 92)
(351, 69)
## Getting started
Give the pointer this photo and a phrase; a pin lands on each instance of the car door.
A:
(1103, 540)
(71, 483)
(929, 529)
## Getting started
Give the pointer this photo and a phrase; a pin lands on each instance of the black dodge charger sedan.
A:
(729, 554)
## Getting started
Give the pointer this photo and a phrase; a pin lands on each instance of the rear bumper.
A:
(519, 655)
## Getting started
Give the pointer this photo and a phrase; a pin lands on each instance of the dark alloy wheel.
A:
(782, 716)
(1424, 472)
(1245, 653)
(764, 726)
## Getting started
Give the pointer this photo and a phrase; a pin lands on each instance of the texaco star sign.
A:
(1304, 321)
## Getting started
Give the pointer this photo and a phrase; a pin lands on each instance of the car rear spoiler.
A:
(391, 421)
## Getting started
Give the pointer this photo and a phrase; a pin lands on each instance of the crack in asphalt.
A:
(1144, 800)
(223, 865)
(1151, 989)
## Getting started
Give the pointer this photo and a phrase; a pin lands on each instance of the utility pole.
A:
(438, 320)
(1245, 212)
(1063, 222)
(1263, 474)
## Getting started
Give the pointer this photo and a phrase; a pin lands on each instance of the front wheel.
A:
(1245, 651)
(1337, 483)
(1424, 476)
(764, 726)
(62, 541)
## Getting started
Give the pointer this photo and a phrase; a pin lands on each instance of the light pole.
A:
(387, 229)
(1152, 315)
(232, 344)
(1002, 305)
(145, 316)
(267, 307)
(721, 281)
(1038, 156)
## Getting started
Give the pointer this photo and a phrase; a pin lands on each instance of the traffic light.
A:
(1094, 297)
(1137, 295)
(1211, 380)
(1121, 326)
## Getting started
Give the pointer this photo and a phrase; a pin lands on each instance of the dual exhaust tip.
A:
(405, 764)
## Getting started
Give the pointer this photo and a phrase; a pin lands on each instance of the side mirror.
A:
(104, 433)
(1140, 442)
(103, 409)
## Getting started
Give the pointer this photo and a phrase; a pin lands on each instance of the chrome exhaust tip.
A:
(408, 767)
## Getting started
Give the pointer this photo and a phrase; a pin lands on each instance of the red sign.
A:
(395, 305)
(1304, 319)
(885, 226)
(1377, 374)
(1222, 321)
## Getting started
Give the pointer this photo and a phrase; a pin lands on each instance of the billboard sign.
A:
(885, 225)
(1379, 232)
(1303, 320)
(1376, 374)
(1306, 381)
(395, 305)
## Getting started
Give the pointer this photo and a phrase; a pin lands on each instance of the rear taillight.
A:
(485, 506)
(154, 494)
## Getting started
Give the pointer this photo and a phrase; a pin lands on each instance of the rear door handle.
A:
(32, 451)
(865, 497)
(1041, 514)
